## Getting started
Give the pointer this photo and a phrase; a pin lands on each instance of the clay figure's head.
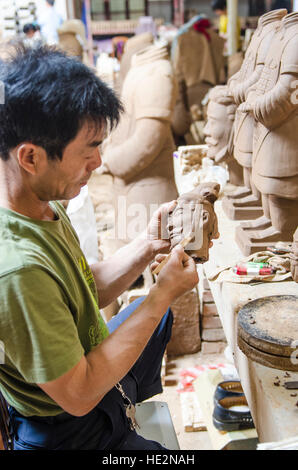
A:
(194, 213)
(208, 190)
(220, 119)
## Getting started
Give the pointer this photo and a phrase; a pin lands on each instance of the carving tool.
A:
(183, 243)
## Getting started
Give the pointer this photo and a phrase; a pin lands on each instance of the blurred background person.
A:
(50, 20)
(32, 36)
(220, 9)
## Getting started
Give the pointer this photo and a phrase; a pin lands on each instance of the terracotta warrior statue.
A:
(294, 257)
(197, 58)
(194, 213)
(273, 104)
(219, 131)
(139, 153)
(245, 202)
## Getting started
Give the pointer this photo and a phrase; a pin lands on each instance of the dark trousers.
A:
(106, 427)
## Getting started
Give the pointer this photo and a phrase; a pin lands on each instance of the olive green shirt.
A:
(49, 315)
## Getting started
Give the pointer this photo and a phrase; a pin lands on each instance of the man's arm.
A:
(116, 274)
(79, 390)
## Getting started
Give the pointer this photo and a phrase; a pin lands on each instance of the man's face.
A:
(30, 34)
(64, 179)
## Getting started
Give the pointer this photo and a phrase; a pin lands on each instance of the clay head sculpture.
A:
(220, 119)
(194, 214)
(219, 131)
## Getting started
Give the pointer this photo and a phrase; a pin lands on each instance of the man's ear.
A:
(30, 157)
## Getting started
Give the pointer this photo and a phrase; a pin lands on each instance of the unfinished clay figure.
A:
(194, 214)
(275, 164)
(294, 257)
(139, 153)
(245, 203)
(132, 46)
(219, 131)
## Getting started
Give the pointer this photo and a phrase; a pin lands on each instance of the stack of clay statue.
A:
(197, 57)
(294, 257)
(245, 203)
(219, 131)
(131, 47)
(139, 152)
(72, 38)
(194, 215)
(273, 104)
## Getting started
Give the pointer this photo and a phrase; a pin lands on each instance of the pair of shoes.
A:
(227, 419)
(228, 388)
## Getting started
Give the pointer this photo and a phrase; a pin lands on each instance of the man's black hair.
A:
(48, 98)
(51, 2)
(277, 4)
(218, 4)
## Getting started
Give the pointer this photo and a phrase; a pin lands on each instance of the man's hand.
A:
(157, 229)
(177, 276)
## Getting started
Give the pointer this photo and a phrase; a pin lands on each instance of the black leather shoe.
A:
(226, 419)
(228, 388)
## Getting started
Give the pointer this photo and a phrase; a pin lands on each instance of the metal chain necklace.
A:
(130, 409)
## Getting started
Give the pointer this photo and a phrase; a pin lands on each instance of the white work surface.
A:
(273, 409)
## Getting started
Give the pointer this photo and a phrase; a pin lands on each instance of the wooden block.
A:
(216, 347)
(208, 297)
(209, 310)
(213, 334)
(211, 322)
(192, 417)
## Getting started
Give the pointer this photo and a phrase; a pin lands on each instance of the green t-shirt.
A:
(49, 315)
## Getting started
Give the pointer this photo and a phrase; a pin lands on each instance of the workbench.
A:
(274, 410)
